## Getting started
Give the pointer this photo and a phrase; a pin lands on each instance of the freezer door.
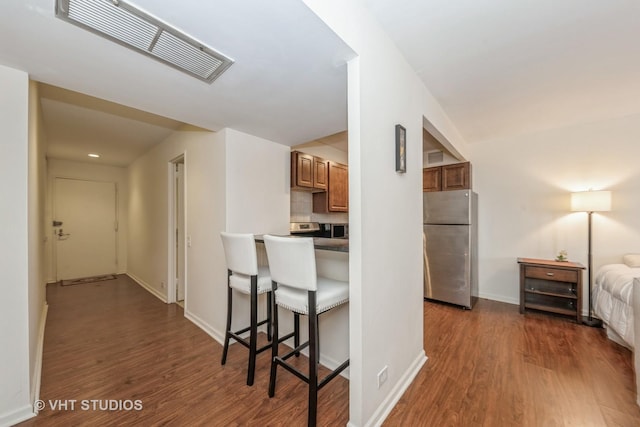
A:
(447, 264)
(447, 207)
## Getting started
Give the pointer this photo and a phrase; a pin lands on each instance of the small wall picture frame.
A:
(401, 149)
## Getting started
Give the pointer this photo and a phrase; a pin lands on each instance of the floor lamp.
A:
(590, 202)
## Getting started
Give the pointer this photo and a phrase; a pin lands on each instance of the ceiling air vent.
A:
(124, 24)
(435, 157)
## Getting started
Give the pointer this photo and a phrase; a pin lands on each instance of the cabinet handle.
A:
(549, 274)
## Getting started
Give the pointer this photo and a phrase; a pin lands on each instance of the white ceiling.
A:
(506, 67)
(288, 82)
(497, 67)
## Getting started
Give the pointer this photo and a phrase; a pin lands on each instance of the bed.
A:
(612, 301)
(616, 292)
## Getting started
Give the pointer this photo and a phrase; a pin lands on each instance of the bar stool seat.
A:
(331, 293)
(242, 282)
(299, 289)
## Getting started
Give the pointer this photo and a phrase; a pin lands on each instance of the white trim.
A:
(392, 399)
(210, 330)
(171, 224)
(171, 238)
(17, 416)
(499, 298)
(148, 287)
(37, 374)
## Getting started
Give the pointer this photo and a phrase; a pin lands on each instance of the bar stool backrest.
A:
(292, 261)
(240, 253)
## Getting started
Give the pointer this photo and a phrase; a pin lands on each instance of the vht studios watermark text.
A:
(89, 405)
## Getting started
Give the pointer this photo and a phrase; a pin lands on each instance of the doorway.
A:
(85, 228)
(176, 291)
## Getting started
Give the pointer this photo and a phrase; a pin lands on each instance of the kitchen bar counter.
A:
(322, 243)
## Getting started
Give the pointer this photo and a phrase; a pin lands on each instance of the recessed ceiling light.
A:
(94, 155)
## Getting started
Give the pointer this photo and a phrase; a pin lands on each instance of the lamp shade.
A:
(591, 201)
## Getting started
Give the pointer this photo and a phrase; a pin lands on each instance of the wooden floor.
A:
(491, 366)
(494, 367)
(113, 340)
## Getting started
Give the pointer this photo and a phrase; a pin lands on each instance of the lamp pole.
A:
(591, 321)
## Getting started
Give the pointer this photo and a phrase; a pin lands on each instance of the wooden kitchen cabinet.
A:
(336, 198)
(551, 286)
(308, 172)
(432, 179)
(456, 176)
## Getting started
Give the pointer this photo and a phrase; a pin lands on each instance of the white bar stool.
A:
(244, 275)
(298, 288)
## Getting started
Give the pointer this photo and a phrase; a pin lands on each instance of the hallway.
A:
(112, 340)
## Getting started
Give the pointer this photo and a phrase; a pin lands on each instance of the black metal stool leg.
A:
(269, 320)
(253, 330)
(228, 330)
(274, 345)
(296, 332)
(313, 360)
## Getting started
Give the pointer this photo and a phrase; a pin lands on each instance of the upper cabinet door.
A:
(304, 170)
(319, 173)
(338, 187)
(456, 176)
(432, 179)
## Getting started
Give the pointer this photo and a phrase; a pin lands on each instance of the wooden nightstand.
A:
(551, 286)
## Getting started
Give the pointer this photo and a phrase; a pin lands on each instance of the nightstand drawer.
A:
(551, 274)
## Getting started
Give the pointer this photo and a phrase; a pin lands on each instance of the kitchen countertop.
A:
(322, 243)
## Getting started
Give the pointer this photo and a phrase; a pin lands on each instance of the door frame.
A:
(171, 226)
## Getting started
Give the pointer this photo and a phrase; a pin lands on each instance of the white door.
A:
(86, 238)
(179, 216)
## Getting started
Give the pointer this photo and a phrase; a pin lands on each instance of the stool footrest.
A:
(295, 351)
(281, 361)
(333, 374)
(244, 342)
(291, 369)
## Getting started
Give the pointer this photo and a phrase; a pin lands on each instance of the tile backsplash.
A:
(302, 206)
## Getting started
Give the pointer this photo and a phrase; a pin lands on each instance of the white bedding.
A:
(612, 300)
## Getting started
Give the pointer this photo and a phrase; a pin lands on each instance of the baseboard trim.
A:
(148, 287)
(17, 416)
(210, 330)
(499, 298)
(37, 374)
(398, 390)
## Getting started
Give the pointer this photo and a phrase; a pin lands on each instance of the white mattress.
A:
(612, 298)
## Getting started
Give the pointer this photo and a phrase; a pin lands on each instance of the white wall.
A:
(235, 182)
(148, 236)
(258, 184)
(385, 211)
(37, 238)
(14, 237)
(524, 183)
(91, 172)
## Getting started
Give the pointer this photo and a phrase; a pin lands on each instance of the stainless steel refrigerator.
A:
(450, 246)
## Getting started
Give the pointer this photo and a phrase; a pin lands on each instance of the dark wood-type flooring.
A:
(494, 367)
(491, 366)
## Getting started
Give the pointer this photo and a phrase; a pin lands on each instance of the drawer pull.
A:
(549, 274)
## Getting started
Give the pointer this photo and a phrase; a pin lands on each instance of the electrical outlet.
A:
(189, 241)
(162, 285)
(382, 376)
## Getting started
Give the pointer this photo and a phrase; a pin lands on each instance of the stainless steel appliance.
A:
(307, 229)
(339, 231)
(450, 242)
